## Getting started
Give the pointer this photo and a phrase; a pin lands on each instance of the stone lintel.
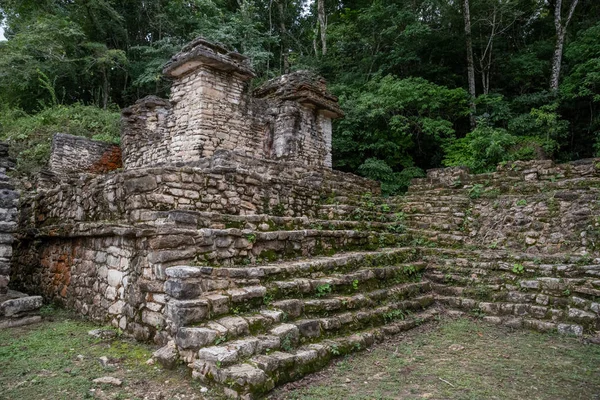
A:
(305, 88)
(202, 52)
(149, 102)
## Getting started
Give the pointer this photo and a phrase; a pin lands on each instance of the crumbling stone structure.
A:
(75, 154)
(228, 239)
(15, 308)
(288, 119)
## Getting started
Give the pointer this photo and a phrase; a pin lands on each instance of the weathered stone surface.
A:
(167, 356)
(108, 380)
(21, 305)
(195, 338)
(186, 312)
(74, 154)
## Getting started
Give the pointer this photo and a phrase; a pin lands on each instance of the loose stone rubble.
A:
(228, 239)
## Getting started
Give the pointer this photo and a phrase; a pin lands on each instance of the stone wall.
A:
(227, 183)
(16, 308)
(526, 242)
(534, 206)
(210, 109)
(74, 154)
(9, 199)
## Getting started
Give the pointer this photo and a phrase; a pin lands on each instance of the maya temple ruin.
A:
(219, 231)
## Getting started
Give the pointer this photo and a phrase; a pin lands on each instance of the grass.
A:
(58, 359)
(453, 359)
(461, 359)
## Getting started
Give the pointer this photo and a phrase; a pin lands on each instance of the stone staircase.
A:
(378, 266)
(265, 325)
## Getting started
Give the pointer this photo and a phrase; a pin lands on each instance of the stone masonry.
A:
(15, 308)
(229, 240)
(78, 154)
(210, 108)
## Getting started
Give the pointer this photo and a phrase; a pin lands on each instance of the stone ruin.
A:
(16, 308)
(227, 238)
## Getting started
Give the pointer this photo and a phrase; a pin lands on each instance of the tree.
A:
(470, 62)
(561, 31)
(322, 17)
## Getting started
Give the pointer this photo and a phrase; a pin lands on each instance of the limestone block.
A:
(20, 305)
(114, 277)
(186, 312)
(183, 288)
(167, 356)
(195, 338)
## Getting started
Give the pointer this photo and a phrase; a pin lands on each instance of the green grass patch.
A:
(462, 359)
(58, 359)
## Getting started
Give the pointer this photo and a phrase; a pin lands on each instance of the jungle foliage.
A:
(400, 69)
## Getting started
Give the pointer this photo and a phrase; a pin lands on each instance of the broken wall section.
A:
(75, 154)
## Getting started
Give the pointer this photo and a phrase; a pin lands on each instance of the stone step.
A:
(210, 279)
(485, 254)
(260, 373)
(265, 222)
(228, 247)
(332, 313)
(460, 269)
(570, 315)
(506, 186)
(437, 222)
(291, 334)
(189, 305)
(421, 237)
(365, 279)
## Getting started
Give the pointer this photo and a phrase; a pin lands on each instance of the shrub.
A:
(30, 135)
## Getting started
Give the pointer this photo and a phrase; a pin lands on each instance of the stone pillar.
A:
(210, 103)
(302, 109)
(144, 132)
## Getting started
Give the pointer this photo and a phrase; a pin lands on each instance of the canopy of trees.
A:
(424, 83)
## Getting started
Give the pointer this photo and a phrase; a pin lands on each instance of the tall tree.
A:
(561, 31)
(322, 17)
(470, 62)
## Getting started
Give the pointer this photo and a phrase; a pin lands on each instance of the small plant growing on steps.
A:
(286, 344)
(394, 315)
(518, 269)
(323, 290)
(476, 191)
(355, 284)
(220, 339)
(522, 203)
(335, 350)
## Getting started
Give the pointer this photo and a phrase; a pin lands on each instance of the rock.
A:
(104, 362)
(20, 305)
(103, 333)
(108, 380)
(167, 356)
(456, 347)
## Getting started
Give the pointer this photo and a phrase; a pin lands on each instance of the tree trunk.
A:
(561, 31)
(323, 25)
(470, 63)
(104, 89)
(284, 47)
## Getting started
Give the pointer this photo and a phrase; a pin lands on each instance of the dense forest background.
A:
(424, 83)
